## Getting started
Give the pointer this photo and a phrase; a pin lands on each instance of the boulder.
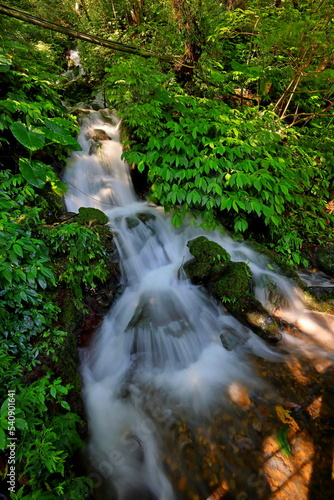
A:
(230, 283)
(97, 137)
(100, 135)
(209, 260)
(92, 216)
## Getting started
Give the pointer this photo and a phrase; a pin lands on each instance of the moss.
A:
(209, 259)
(234, 284)
(325, 257)
(92, 216)
(230, 283)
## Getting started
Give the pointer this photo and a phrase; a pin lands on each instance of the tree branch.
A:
(28, 18)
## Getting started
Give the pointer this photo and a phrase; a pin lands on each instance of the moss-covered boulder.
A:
(325, 259)
(92, 216)
(234, 284)
(233, 289)
(230, 283)
(209, 260)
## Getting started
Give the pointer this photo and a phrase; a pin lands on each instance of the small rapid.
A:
(157, 360)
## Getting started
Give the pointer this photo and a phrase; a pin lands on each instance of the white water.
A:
(158, 355)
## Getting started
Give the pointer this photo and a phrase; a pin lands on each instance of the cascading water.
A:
(158, 359)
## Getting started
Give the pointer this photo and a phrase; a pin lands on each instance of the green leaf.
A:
(62, 138)
(7, 273)
(21, 424)
(42, 281)
(282, 441)
(18, 250)
(2, 439)
(31, 139)
(21, 274)
(34, 172)
(65, 405)
(5, 62)
(13, 257)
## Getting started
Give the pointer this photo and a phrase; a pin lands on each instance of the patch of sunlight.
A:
(42, 46)
(288, 477)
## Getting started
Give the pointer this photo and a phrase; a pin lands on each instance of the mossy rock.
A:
(209, 260)
(325, 258)
(234, 284)
(230, 283)
(251, 313)
(92, 216)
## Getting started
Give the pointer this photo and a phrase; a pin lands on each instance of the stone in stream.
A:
(230, 283)
(97, 137)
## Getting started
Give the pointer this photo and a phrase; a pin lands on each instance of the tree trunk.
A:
(235, 4)
(186, 16)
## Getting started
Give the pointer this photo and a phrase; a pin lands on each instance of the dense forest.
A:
(227, 118)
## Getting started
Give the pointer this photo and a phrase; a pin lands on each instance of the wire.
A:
(91, 197)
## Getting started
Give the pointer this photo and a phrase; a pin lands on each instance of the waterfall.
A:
(157, 359)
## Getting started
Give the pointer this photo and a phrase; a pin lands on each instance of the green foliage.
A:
(25, 271)
(35, 128)
(236, 166)
(80, 257)
(46, 437)
(142, 103)
(35, 117)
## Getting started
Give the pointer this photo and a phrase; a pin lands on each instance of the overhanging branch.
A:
(28, 18)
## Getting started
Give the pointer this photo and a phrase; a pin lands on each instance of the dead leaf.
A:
(285, 417)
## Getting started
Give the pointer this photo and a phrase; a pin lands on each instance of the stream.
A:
(173, 414)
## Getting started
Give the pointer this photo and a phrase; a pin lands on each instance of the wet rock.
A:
(66, 216)
(231, 339)
(80, 111)
(230, 283)
(106, 238)
(97, 137)
(109, 117)
(233, 289)
(145, 217)
(100, 135)
(325, 257)
(263, 324)
(131, 222)
(209, 260)
(92, 216)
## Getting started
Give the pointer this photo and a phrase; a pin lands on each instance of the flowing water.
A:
(157, 368)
